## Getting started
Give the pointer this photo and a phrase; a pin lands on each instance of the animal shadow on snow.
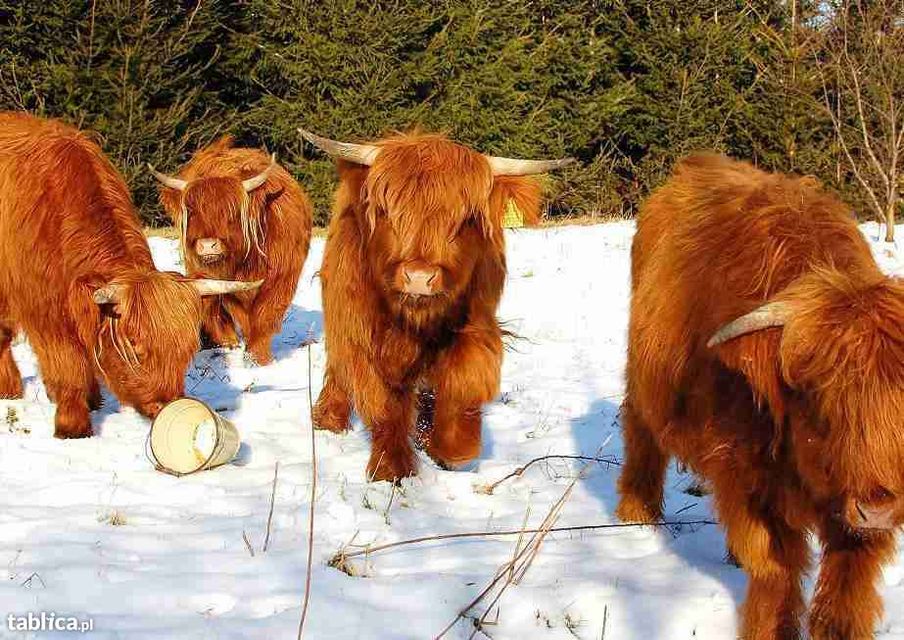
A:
(699, 548)
(209, 376)
(300, 326)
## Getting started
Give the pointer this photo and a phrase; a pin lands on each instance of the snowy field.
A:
(88, 528)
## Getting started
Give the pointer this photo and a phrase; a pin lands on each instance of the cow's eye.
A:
(880, 494)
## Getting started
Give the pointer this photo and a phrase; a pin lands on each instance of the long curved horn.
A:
(220, 287)
(359, 153)
(108, 294)
(771, 314)
(168, 181)
(518, 167)
(251, 184)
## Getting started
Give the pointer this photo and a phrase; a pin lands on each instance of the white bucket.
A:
(188, 436)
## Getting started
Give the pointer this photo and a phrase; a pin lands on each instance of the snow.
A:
(89, 528)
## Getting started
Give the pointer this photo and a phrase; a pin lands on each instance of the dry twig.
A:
(517, 473)
(307, 580)
(514, 532)
(270, 515)
(247, 543)
(514, 570)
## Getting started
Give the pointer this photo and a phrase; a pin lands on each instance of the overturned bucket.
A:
(188, 436)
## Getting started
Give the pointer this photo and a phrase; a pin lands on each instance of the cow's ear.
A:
(171, 201)
(515, 198)
(222, 144)
(350, 194)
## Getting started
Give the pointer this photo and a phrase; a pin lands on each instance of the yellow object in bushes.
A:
(513, 216)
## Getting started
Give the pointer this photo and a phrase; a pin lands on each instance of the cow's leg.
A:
(465, 376)
(389, 415)
(217, 323)
(240, 309)
(266, 317)
(455, 437)
(69, 380)
(333, 407)
(95, 399)
(391, 454)
(846, 605)
(643, 474)
(774, 556)
(10, 378)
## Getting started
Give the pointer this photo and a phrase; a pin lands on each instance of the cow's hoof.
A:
(453, 461)
(10, 387)
(325, 421)
(451, 449)
(632, 509)
(389, 470)
(71, 433)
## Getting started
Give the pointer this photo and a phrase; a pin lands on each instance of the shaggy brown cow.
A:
(76, 275)
(412, 274)
(242, 217)
(766, 350)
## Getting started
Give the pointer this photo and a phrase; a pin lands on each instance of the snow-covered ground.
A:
(88, 528)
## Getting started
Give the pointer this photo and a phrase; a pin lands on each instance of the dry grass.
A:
(170, 233)
(114, 518)
(583, 221)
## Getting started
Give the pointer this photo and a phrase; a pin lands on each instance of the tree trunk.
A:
(890, 220)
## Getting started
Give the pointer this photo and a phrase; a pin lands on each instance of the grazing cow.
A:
(242, 217)
(766, 351)
(76, 275)
(412, 274)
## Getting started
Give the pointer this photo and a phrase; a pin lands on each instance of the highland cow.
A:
(412, 273)
(76, 276)
(241, 217)
(766, 351)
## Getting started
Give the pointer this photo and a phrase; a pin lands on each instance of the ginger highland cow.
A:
(76, 276)
(766, 350)
(241, 217)
(412, 273)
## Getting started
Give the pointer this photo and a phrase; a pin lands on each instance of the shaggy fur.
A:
(266, 235)
(796, 428)
(425, 201)
(67, 228)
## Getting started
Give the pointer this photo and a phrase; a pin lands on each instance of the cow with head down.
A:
(76, 276)
(241, 216)
(766, 351)
(412, 274)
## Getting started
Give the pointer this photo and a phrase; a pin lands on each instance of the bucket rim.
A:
(218, 442)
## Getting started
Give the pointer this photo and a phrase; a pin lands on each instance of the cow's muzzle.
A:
(209, 249)
(421, 280)
(860, 515)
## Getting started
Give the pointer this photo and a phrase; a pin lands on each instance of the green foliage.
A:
(142, 74)
(627, 86)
